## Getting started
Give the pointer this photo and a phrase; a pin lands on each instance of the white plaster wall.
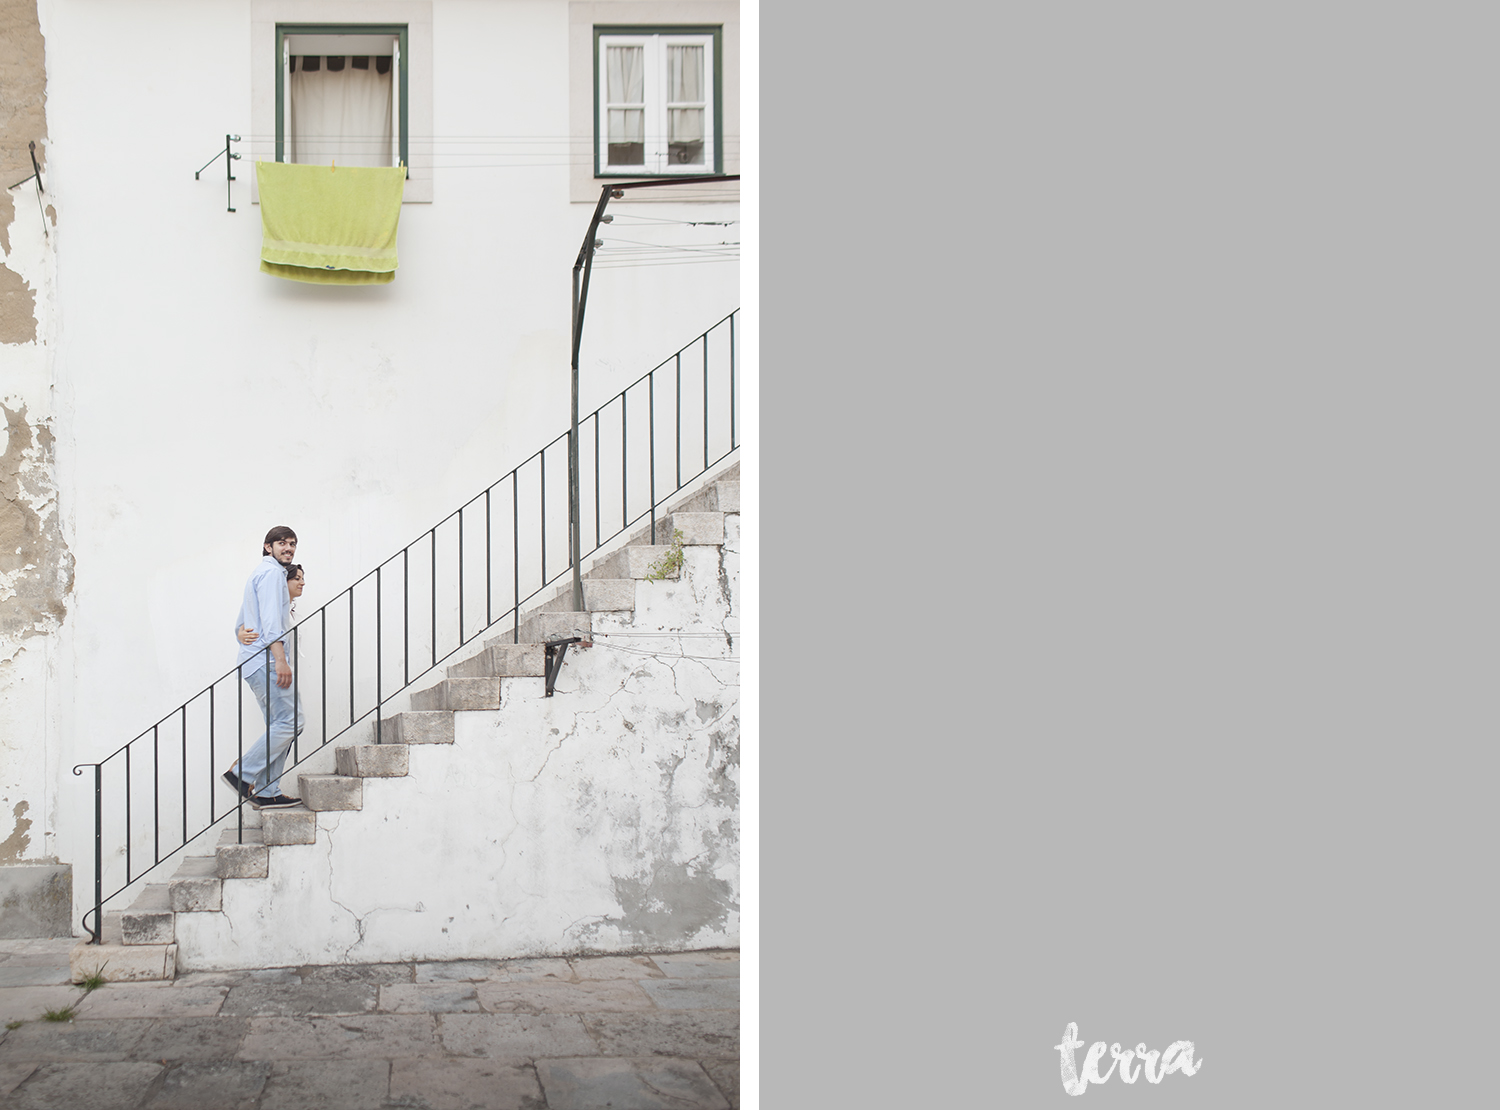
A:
(199, 401)
(603, 819)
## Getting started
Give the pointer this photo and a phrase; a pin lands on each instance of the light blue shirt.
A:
(267, 608)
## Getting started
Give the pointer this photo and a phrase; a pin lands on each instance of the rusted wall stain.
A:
(23, 120)
(17, 308)
(36, 567)
(13, 847)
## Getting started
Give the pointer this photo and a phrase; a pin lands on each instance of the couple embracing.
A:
(265, 664)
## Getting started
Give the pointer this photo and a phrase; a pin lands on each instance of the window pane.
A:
(685, 137)
(626, 137)
(684, 73)
(626, 69)
(341, 115)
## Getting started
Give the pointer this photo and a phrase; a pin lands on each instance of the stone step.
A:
(541, 627)
(329, 792)
(123, 963)
(459, 693)
(150, 919)
(290, 826)
(648, 561)
(431, 727)
(726, 498)
(609, 595)
(248, 860)
(196, 886)
(370, 761)
(699, 528)
(503, 659)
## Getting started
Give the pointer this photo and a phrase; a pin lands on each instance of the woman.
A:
(295, 582)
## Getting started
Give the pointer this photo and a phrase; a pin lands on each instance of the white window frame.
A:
(656, 162)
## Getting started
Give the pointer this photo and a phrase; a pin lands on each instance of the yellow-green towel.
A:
(335, 226)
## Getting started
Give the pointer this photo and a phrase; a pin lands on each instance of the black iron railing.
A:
(386, 631)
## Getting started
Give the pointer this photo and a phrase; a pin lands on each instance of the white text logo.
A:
(1178, 1056)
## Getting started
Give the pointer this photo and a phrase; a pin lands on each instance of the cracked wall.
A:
(36, 565)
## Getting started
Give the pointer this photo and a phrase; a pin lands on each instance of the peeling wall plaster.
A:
(36, 568)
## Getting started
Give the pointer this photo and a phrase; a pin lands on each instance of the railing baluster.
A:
(460, 578)
(433, 576)
(351, 655)
(651, 429)
(705, 400)
(296, 662)
(379, 697)
(488, 573)
(596, 481)
(323, 651)
(678, 357)
(213, 762)
(732, 441)
(128, 836)
(156, 790)
(98, 929)
(239, 747)
(184, 774)
(624, 465)
(405, 616)
(543, 487)
(515, 543)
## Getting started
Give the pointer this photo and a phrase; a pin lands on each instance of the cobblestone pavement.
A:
(585, 1033)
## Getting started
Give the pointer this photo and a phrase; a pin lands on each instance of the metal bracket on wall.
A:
(556, 650)
(36, 173)
(229, 157)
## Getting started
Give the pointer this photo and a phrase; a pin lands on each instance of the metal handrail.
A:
(480, 503)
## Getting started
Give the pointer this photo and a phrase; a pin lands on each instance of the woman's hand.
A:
(245, 635)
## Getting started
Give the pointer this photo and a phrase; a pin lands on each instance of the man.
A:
(267, 609)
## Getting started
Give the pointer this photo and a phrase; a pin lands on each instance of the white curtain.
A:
(626, 69)
(342, 115)
(684, 83)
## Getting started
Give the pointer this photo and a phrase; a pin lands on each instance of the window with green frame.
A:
(342, 93)
(658, 100)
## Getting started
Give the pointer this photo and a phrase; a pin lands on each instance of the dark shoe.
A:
(280, 801)
(237, 784)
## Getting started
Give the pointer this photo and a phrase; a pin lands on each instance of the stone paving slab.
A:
(615, 967)
(150, 1000)
(514, 1037)
(604, 1083)
(172, 1039)
(464, 1085)
(454, 970)
(726, 1076)
(563, 998)
(110, 1086)
(539, 970)
(72, 1041)
(216, 1085)
(327, 1085)
(32, 975)
(429, 998)
(293, 1000)
(701, 994)
(37, 951)
(11, 1076)
(30, 1003)
(694, 1034)
(357, 1036)
(700, 965)
(378, 974)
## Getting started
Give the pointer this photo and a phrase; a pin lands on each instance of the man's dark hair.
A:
(280, 532)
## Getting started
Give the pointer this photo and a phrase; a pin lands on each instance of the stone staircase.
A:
(141, 942)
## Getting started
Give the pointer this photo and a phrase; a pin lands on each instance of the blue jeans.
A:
(260, 765)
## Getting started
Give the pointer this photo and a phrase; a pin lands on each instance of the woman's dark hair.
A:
(280, 532)
(292, 570)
